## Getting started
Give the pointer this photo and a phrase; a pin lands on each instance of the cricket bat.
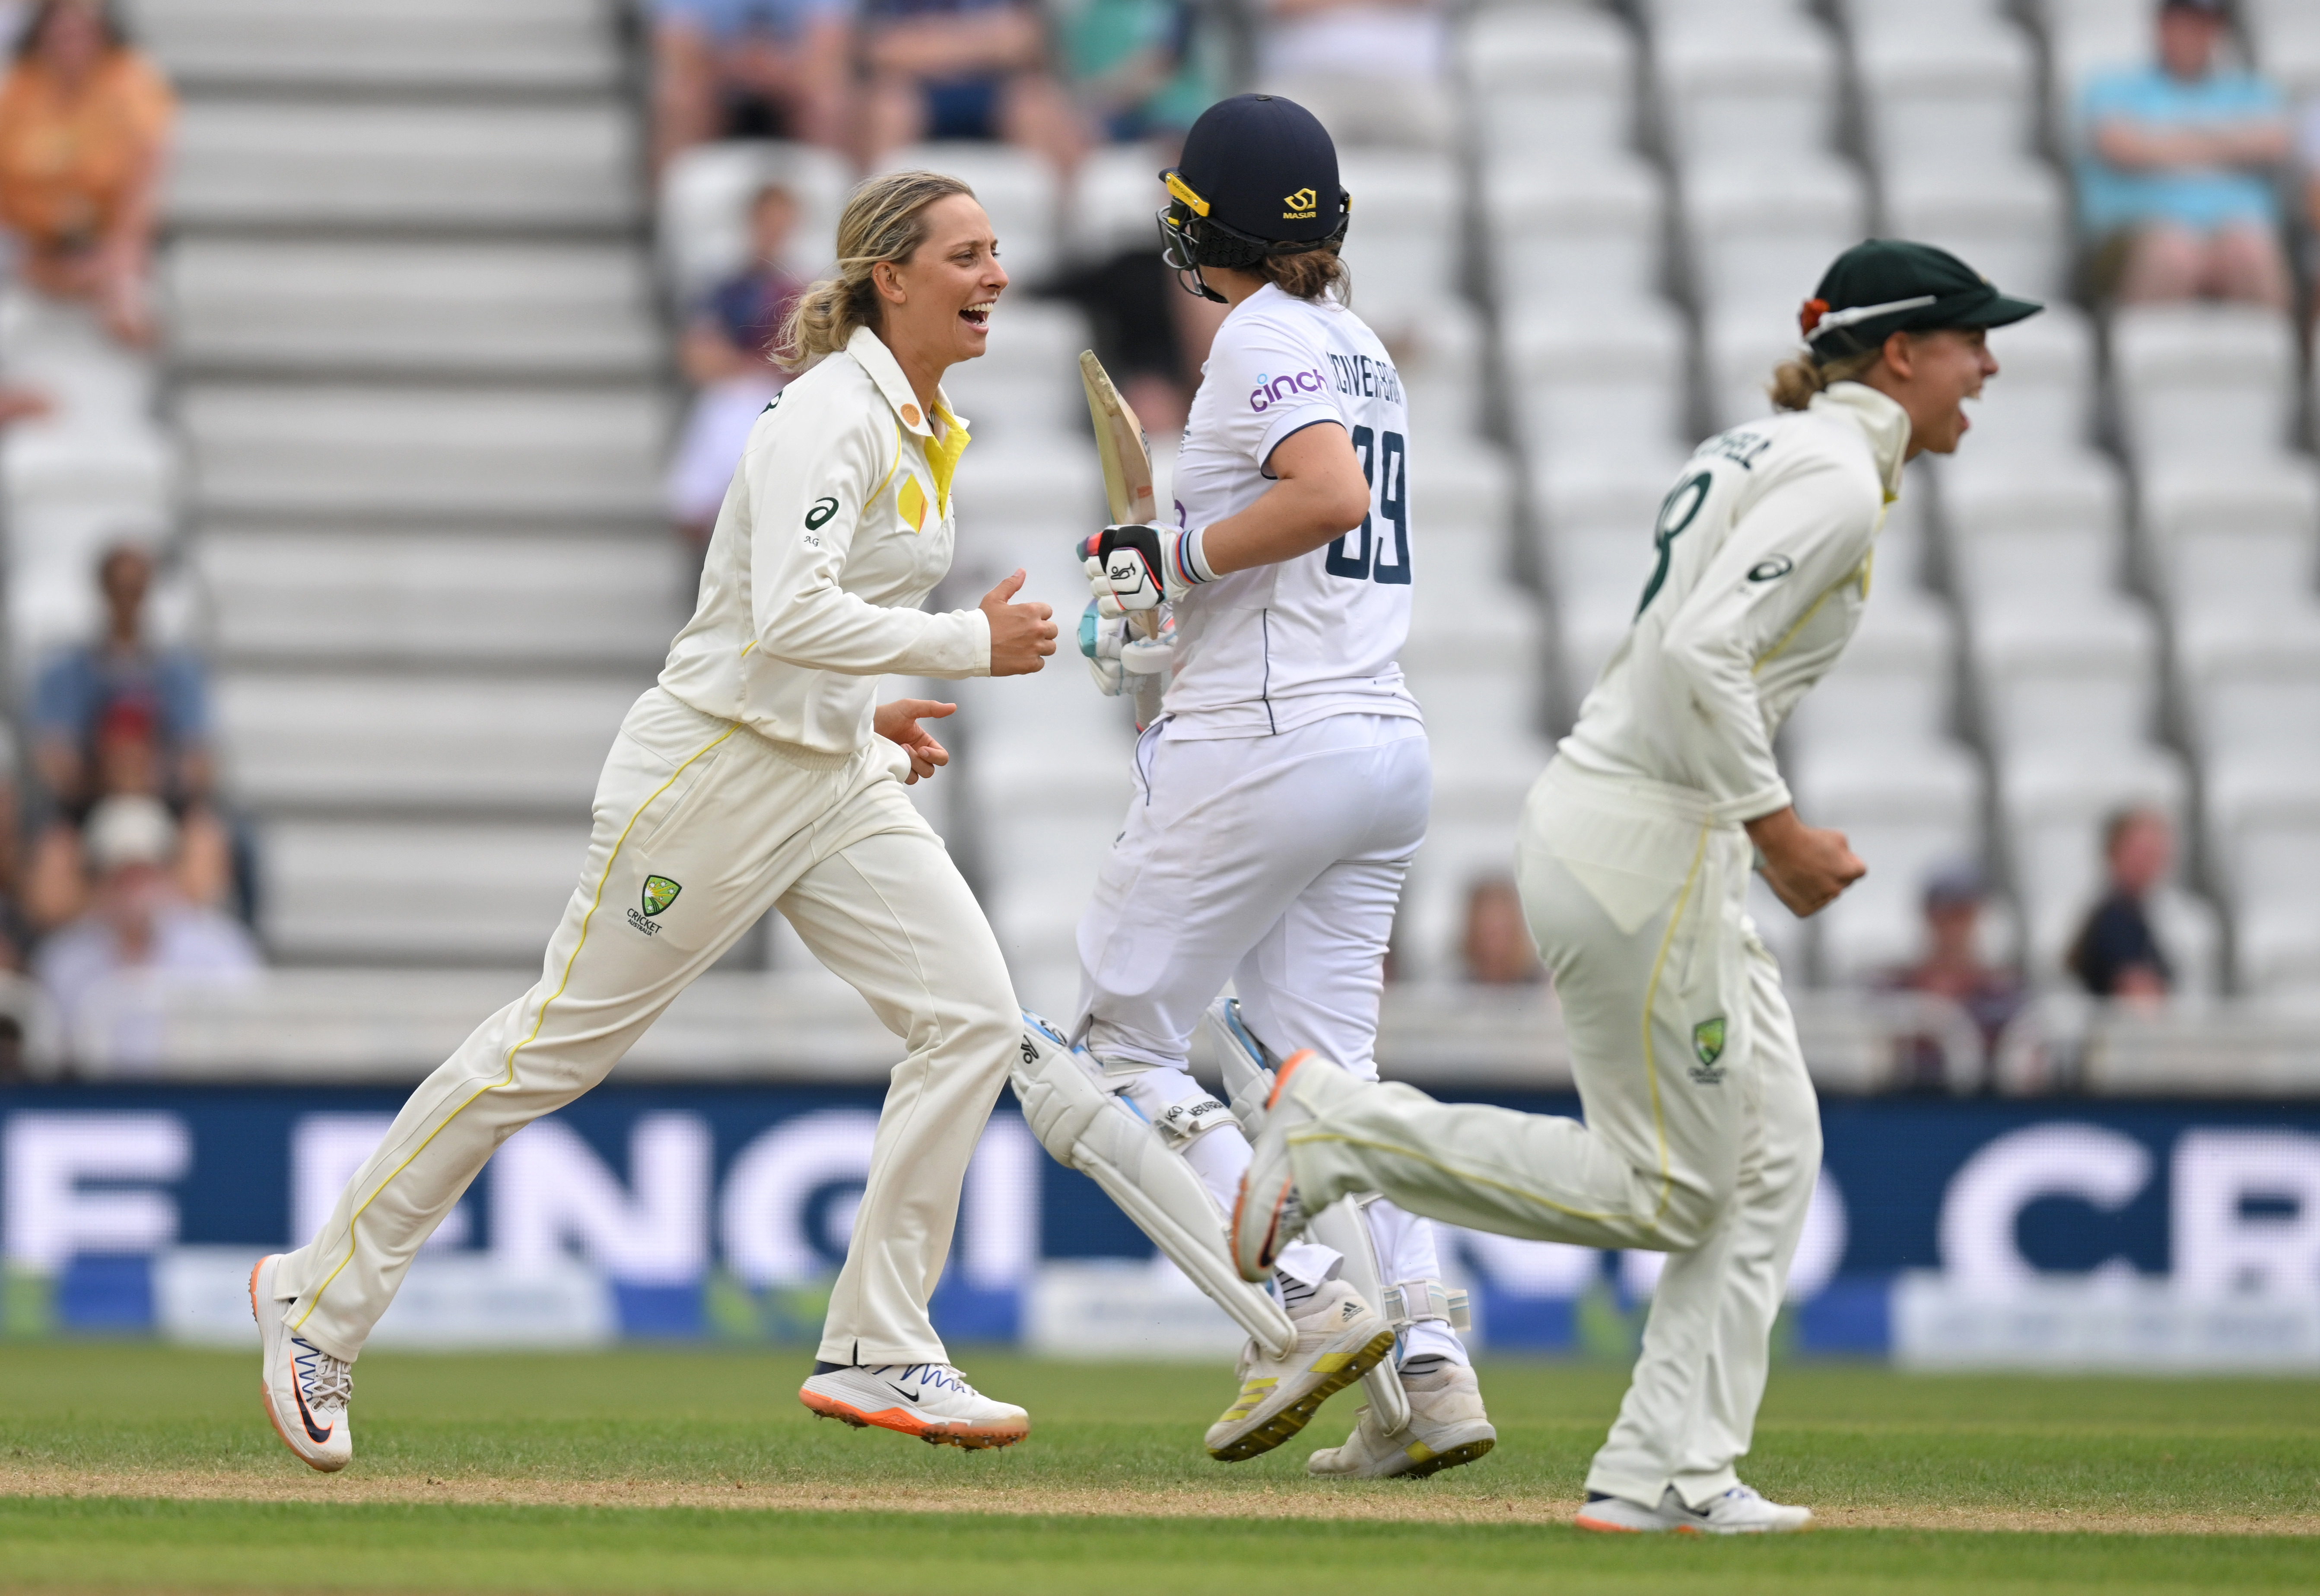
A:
(1127, 460)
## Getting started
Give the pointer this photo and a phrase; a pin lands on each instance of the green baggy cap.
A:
(1881, 286)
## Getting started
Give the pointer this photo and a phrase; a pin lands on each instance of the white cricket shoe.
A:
(1447, 1427)
(1739, 1511)
(1267, 1215)
(1339, 1338)
(932, 1401)
(306, 1390)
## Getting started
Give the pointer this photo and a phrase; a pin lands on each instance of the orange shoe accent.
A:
(902, 1421)
(1604, 1525)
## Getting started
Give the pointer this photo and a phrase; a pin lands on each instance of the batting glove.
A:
(1141, 568)
(1117, 658)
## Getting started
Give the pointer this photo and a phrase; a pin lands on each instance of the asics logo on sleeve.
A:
(1773, 569)
(819, 516)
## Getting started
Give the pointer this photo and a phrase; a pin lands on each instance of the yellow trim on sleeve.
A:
(314, 1301)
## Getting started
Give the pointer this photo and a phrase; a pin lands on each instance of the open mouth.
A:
(978, 315)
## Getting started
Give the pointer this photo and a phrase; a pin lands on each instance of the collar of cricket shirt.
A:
(1881, 420)
(870, 352)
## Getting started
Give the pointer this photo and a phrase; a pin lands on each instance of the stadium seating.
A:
(416, 344)
(418, 379)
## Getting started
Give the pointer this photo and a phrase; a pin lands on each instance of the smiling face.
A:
(1932, 375)
(937, 303)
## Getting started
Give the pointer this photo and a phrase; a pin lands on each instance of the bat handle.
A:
(1146, 622)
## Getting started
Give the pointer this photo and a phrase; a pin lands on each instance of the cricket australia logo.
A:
(1708, 1047)
(659, 893)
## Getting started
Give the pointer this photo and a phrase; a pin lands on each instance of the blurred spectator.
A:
(2116, 953)
(1952, 967)
(1374, 71)
(1495, 949)
(963, 69)
(121, 717)
(84, 129)
(726, 354)
(138, 919)
(1134, 65)
(2176, 183)
(749, 69)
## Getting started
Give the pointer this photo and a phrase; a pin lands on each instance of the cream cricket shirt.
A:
(838, 525)
(1760, 569)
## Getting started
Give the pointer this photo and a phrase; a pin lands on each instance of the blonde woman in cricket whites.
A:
(760, 773)
(1280, 797)
(1702, 1136)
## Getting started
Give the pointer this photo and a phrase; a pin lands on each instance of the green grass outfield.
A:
(131, 1467)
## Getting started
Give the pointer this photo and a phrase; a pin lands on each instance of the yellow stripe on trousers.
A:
(508, 1078)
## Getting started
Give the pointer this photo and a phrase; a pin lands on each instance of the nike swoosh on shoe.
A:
(318, 1435)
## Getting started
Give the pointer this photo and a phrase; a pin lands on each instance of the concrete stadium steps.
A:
(373, 742)
(418, 892)
(395, 308)
(305, 164)
(428, 45)
(451, 453)
(392, 599)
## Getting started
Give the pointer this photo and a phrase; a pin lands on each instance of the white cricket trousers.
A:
(700, 826)
(1275, 863)
(1702, 1136)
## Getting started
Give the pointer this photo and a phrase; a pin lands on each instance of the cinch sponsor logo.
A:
(1271, 391)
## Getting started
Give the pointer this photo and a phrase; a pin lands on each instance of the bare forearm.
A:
(1293, 518)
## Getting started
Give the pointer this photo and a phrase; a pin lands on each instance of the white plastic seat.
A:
(1945, 86)
(2238, 539)
(1403, 247)
(1760, 233)
(1734, 81)
(2037, 530)
(2252, 693)
(2007, 218)
(455, 451)
(2275, 867)
(565, 45)
(407, 596)
(1565, 231)
(416, 741)
(499, 309)
(310, 163)
(2204, 380)
(703, 208)
(1743, 347)
(1551, 79)
(1115, 200)
(2087, 37)
(1601, 378)
(1017, 189)
(1461, 491)
(1437, 349)
(351, 891)
(2286, 34)
(2065, 682)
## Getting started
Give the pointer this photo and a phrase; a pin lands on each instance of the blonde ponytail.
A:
(1795, 382)
(884, 219)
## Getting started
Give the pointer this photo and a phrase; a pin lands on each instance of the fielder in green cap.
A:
(1702, 1135)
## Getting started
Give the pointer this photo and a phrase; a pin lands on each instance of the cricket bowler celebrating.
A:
(1702, 1135)
(758, 774)
(1280, 796)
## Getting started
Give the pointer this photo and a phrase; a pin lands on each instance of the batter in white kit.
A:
(1280, 794)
